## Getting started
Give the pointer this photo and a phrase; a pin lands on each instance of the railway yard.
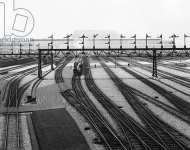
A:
(94, 103)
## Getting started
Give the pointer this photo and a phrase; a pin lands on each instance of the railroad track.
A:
(16, 62)
(96, 122)
(162, 105)
(108, 135)
(17, 73)
(4, 71)
(12, 122)
(182, 69)
(168, 136)
(135, 136)
(164, 76)
(178, 102)
(12, 97)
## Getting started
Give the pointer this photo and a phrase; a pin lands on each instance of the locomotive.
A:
(78, 68)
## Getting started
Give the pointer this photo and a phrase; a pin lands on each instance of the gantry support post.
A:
(12, 49)
(29, 50)
(51, 44)
(20, 49)
(154, 71)
(39, 65)
(52, 68)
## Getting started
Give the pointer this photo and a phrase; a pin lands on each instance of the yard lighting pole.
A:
(20, 45)
(12, 48)
(39, 62)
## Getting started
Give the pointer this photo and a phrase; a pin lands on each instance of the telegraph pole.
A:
(20, 45)
(154, 71)
(39, 62)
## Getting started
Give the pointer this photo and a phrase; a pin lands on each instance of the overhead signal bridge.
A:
(136, 51)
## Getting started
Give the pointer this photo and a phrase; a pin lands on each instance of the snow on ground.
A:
(23, 68)
(3, 84)
(164, 115)
(173, 71)
(89, 135)
(148, 74)
(176, 61)
(187, 68)
(103, 81)
(49, 80)
(172, 120)
(2, 130)
(137, 84)
(99, 106)
(123, 63)
(26, 145)
(94, 63)
(49, 95)
(171, 61)
(2, 68)
(34, 76)
(47, 68)
(27, 79)
(144, 62)
(67, 74)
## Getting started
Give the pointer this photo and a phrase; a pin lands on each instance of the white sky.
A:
(124, 16)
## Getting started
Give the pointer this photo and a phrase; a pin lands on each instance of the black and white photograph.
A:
(94, 75)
